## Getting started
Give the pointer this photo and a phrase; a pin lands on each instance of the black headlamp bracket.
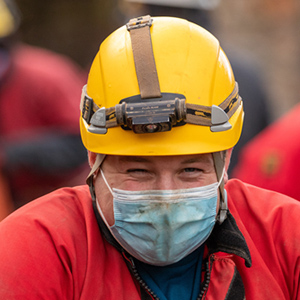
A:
(151, 115)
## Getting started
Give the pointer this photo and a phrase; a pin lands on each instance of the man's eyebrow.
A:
(205, 159)
(143, 159)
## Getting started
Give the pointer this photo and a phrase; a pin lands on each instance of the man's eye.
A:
(191, 170)
(137, 171)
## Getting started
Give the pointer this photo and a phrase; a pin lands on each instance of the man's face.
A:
(138, 173)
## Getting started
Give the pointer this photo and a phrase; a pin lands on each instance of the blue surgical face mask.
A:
(160, 227)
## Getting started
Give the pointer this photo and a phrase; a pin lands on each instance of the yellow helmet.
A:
(160, 86)
(9, 18)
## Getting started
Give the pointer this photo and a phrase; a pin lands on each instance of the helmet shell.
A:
(189, 61)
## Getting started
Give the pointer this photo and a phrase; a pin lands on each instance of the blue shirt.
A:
(178, 281)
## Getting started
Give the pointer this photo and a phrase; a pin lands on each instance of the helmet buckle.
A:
(139, 22)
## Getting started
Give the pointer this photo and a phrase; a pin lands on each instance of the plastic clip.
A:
(98, 122)
(139, 22)
(219, 119)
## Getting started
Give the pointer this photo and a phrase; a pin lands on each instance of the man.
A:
(160, 115)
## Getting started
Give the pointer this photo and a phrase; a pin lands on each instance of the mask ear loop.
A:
(105, 181)
(219, 161)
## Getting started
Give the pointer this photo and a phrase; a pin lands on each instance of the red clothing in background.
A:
(272, 159)
(40, 144)
(42, 90)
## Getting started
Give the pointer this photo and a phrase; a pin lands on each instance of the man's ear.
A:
(92, 158)
(227, 162)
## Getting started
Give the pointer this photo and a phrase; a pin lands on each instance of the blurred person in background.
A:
(246, 69)
(40, 145)
(271, 160)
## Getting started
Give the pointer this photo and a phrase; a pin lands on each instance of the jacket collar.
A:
(227, 237)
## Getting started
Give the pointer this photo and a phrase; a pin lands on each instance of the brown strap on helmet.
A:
(145, 67)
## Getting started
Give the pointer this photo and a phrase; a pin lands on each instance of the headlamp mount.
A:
(151, 115)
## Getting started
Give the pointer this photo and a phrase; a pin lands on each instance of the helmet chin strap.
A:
(219, 162)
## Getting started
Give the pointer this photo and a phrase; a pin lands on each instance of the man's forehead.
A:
(205, 158)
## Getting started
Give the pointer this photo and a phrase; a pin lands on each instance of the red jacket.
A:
(52, 248)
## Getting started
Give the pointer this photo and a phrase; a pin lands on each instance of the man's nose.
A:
(166, 182)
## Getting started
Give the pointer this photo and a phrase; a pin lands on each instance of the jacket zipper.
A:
(141, 281)
(153, 295)
(206, 282)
